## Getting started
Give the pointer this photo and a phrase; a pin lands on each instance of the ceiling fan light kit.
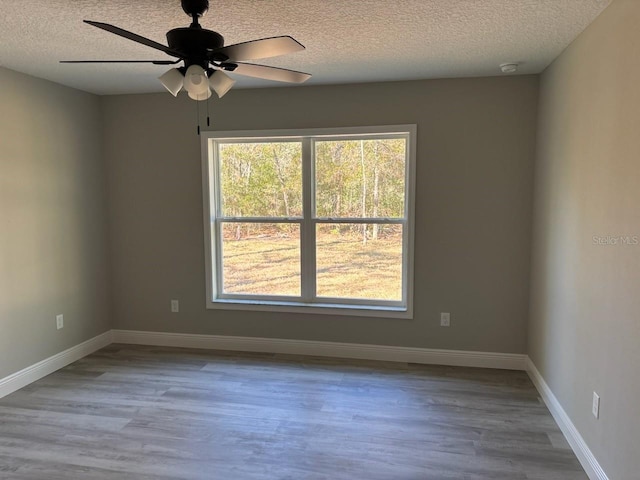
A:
(172, 80)
(195, 80)
(220, 82)
(206, 58)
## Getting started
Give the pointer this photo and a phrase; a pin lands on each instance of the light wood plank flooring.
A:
(132, 412)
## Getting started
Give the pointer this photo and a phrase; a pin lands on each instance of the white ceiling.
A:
(347, 41)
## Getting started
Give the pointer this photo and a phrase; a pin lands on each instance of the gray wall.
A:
(52, 220)
(476, 142)
(584, 330)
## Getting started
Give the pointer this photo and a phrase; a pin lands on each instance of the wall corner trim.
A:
(460, 358)
(49, 365)
(578, 445)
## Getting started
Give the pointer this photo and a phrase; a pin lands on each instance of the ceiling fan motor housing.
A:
(195, 44)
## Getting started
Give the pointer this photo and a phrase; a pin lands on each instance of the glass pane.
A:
(360, 178)
(261, 258)
(261, 179)
(359, 261)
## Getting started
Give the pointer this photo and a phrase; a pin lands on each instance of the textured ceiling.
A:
(347, 41)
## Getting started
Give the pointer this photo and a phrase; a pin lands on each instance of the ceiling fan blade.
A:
(258, 49)
(271, 73)
(155, 62)
(134, 37)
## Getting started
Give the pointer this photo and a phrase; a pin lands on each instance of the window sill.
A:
(308, 308)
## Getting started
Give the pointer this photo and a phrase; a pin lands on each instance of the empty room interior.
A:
(320, 240)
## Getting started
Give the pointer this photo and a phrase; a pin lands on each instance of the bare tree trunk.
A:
(283, 188)
(376, 196)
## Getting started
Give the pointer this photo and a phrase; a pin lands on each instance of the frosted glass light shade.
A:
(172, 80)
(220, 82)
(195, 80)
(200, 96)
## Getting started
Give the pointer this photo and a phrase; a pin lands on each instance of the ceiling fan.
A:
(206, 58)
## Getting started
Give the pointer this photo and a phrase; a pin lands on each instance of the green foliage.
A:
(353, 179)
(261, 179)
(360, 178)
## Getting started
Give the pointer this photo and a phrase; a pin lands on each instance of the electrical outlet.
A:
(445, 319)
(59, 321)
(175, 306)
(595, 407)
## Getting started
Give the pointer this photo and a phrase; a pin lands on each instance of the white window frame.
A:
(306, 303)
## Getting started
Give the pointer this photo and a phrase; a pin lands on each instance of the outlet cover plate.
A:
(175, 306)
(59, 321)
(445, 319)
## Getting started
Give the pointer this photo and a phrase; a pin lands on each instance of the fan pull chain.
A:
(198, 115)
(208, 122)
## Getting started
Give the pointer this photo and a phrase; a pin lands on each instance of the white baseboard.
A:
(49, 365)
(458, 358)
(579, 446)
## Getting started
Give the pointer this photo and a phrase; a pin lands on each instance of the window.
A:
(310, 220)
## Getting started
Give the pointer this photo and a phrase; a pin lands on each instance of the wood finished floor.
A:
(132, 412)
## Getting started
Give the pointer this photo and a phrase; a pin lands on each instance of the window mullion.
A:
(218, 258)
(216, 207)
(260, 219)
(308, 234)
